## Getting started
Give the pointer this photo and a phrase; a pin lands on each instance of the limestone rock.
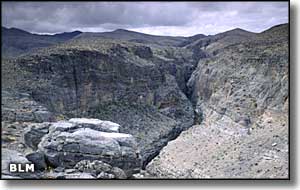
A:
(78, 176)
(20, 107)
(104, 175)
(105, 126)
(38, 159)
(43, 116)
(69, 142)
(100, 169)
(34, 132)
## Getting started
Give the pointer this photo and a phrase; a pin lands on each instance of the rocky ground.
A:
(217, 150)
(77, 148)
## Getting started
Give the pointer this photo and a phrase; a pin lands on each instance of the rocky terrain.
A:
(117, 80)
(241, 98)
(78, 145)
(223, 149)
(201, 106)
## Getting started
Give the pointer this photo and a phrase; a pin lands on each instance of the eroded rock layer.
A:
(241, 99)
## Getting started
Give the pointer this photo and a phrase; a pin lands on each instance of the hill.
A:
(16, 42)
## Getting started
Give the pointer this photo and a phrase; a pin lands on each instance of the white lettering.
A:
(13, 167)
(21, 168)
(30, 167)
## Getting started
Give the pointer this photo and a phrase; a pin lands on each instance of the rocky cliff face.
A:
(244, 79)
(234, 92)
(155, 88)
(141, 87)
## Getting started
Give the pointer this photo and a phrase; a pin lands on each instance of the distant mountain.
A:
(67, 35)
(14, 32)
(275, 32)
(137, 37)
(216, 42)
(191, 39)
(16, 41)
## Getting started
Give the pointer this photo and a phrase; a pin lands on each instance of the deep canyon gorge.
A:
(129, 105)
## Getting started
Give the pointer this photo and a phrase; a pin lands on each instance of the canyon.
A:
(128, 105)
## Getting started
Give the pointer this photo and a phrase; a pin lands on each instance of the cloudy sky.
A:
(159, 18)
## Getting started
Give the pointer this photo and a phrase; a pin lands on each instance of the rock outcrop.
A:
(241, 101)
(20, 107)
(87, 169)
(244, 79)
(38, 159)
(100, 169)
(34, 133)
(69, 142)
(77, 148)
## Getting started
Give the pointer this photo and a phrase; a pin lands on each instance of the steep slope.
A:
(224, 150)
(246, 78)
(140, 87)
(241, 99)
(16, 41)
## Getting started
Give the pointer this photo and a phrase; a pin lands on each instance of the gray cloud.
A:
(162, 18)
